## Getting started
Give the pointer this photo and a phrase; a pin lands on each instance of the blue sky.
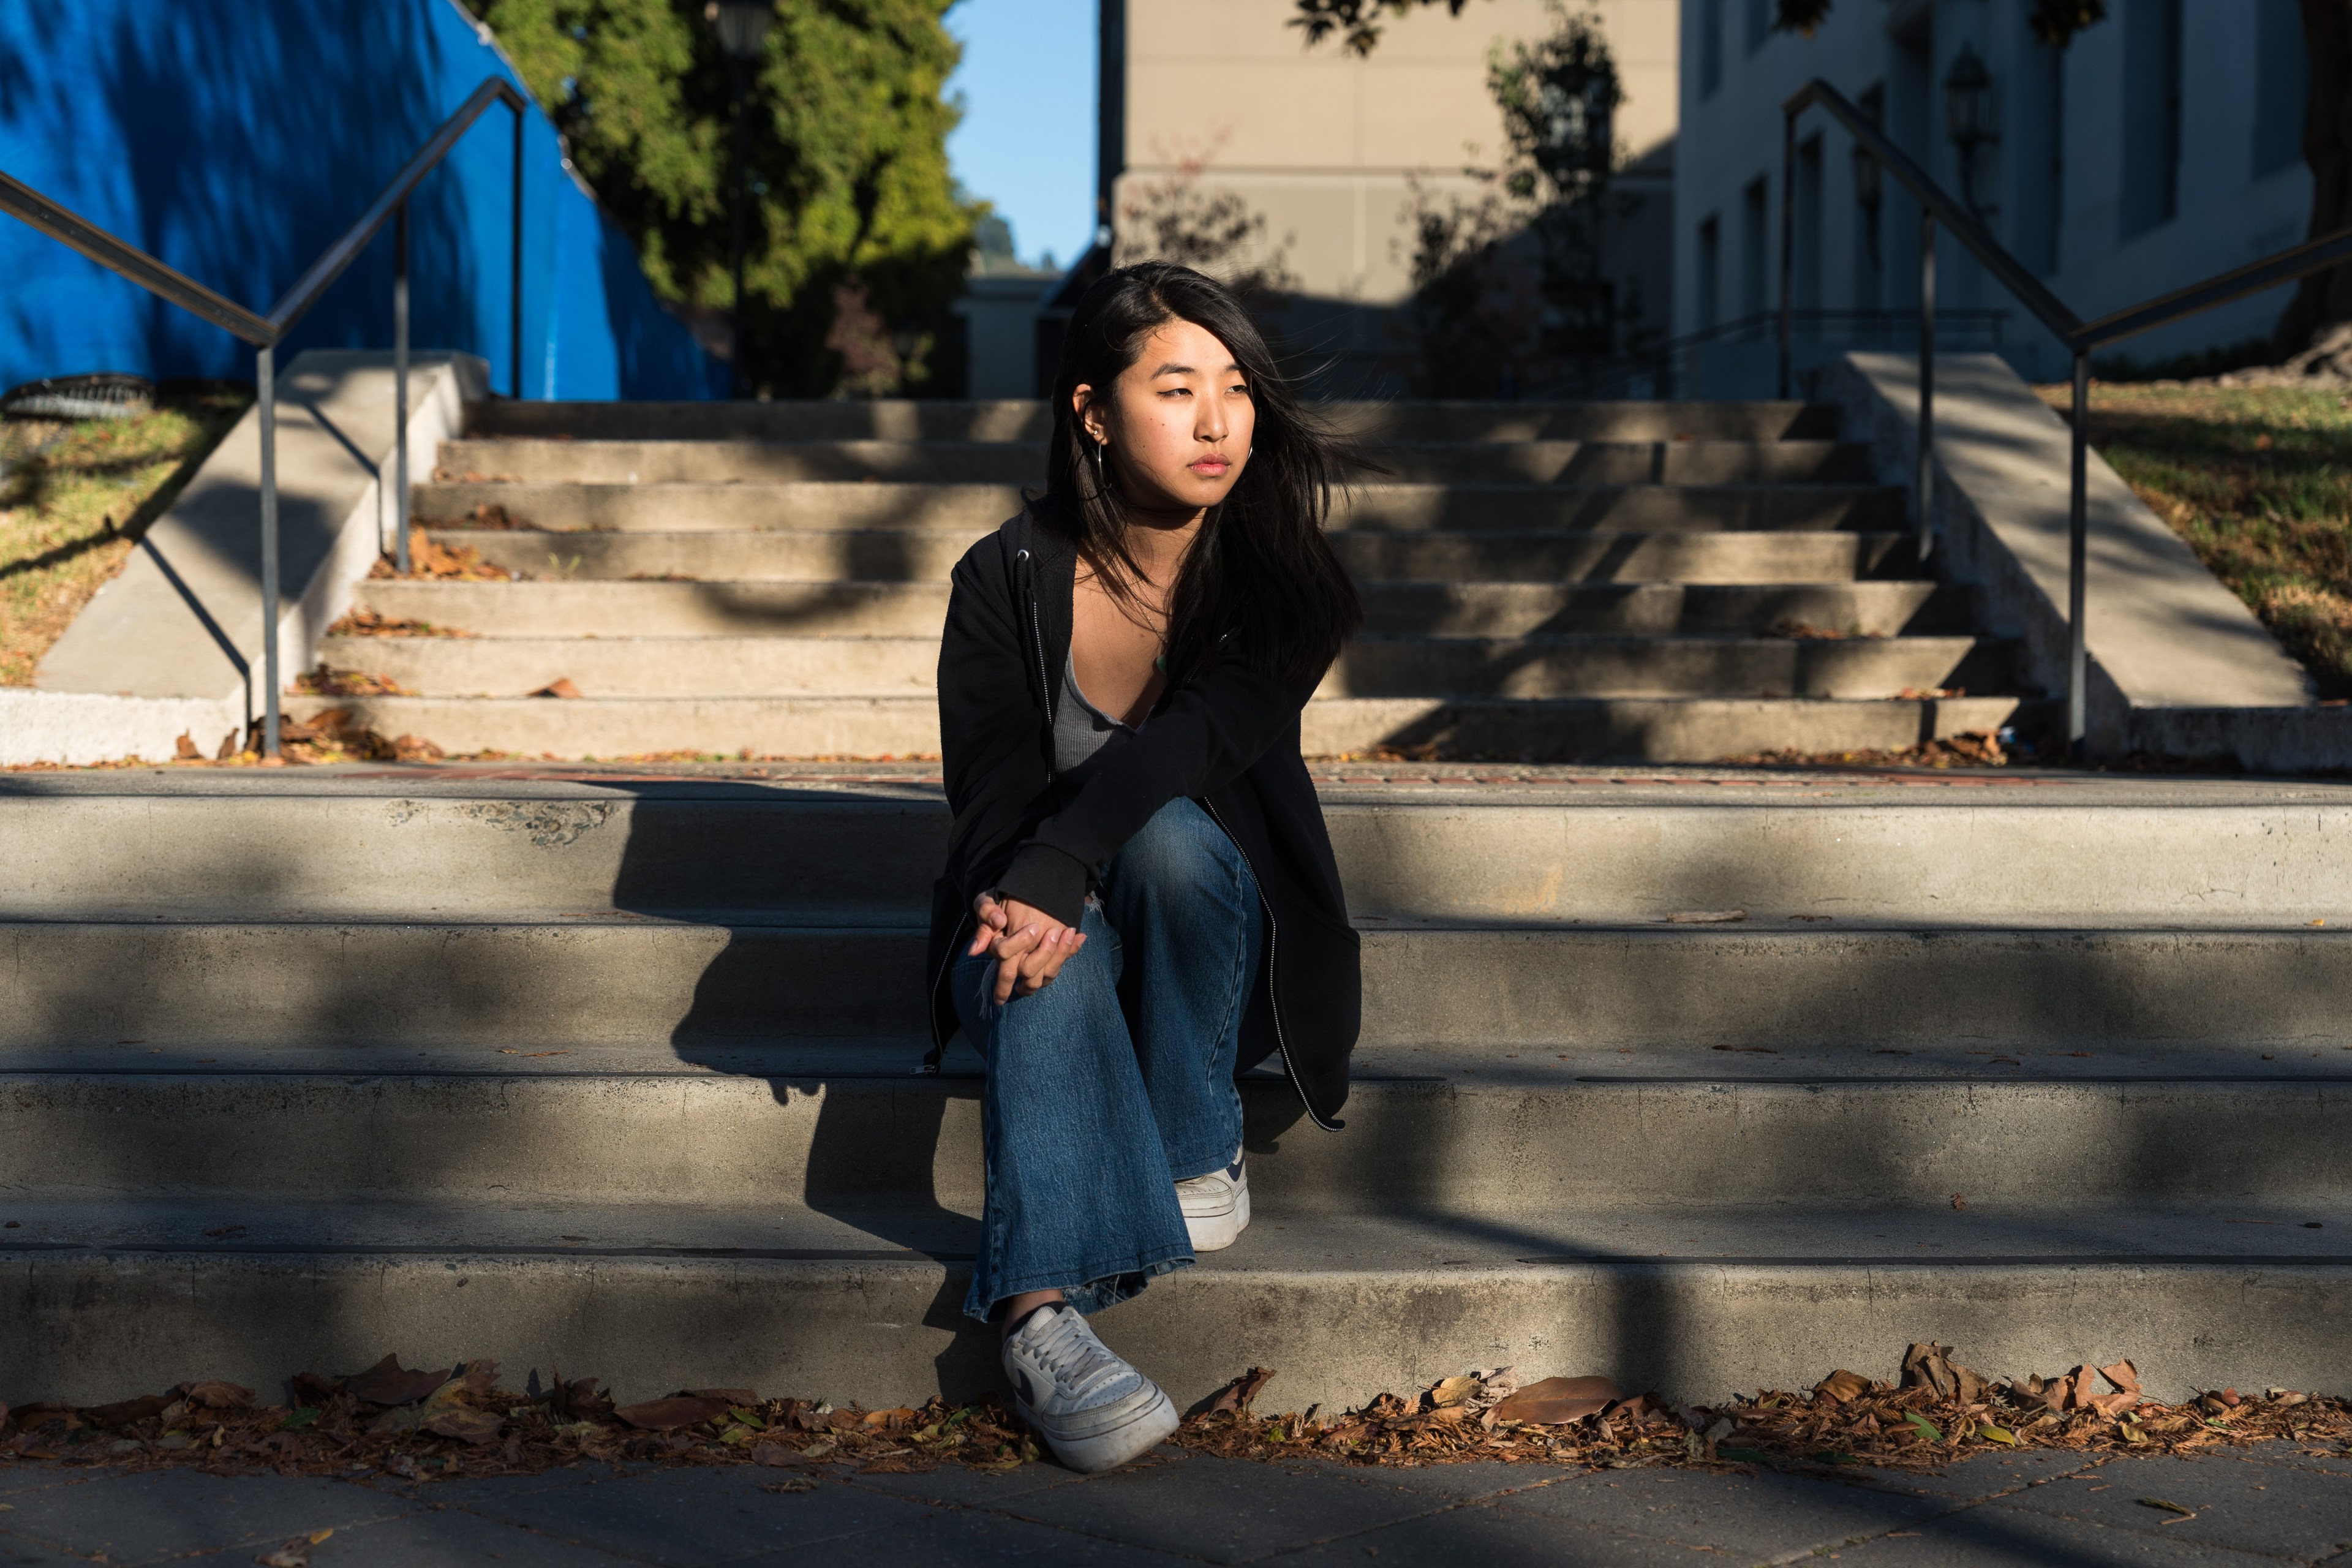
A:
(1027, 141)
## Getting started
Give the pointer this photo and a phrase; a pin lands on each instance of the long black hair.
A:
(1260, 566)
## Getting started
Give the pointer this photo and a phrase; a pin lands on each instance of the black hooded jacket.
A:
(1227, 738)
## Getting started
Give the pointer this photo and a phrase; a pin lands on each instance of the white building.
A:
(2162, 146)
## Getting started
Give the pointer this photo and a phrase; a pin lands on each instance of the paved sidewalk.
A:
(2249, 1507)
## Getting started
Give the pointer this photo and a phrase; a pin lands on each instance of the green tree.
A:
(858, 237)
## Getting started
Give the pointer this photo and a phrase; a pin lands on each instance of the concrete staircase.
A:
(613, 1070)
(1667, 581)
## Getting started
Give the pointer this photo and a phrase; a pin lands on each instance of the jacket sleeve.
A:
(1209, 733)
(990, 755)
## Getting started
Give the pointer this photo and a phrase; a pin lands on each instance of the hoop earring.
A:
(1101, 485)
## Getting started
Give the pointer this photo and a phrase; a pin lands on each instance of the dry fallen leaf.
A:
(789, 1484)
(557, 688)
(1237, 1395)
(386, 1382)
(1452, 1391)
(218, 1395)
(1706, 917)
(1840, 1386)
(670, 1415)
(1555, 1401)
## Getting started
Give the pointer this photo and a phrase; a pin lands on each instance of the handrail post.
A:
(2078, 533)
(400, 389)
(1787, 248)
(266, 384)
(515, 331)
(1925, 482)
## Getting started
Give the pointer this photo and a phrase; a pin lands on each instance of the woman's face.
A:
(1179, 423)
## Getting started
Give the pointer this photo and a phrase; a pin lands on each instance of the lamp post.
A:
(742, 27)
(1967, 113)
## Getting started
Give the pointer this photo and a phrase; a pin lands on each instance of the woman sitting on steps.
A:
(1140, 898)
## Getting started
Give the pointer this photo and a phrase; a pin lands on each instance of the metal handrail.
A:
(265, 332)
(1937, 204)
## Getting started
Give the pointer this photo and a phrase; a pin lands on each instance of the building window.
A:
(1710, 46)
(1754, 225)
(1808, 197)
(2281, 76)
(1759, 22)
(1710, 273)
(2151, 193)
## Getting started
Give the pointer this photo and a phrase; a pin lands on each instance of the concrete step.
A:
(1609, 556)
(1386, 508)
(590, 978)
(890, 419)
(608, 609)
(1771, 563)
(905, 420)
(1626, 462)
(1537, 462)
(369, 844)
(1473, 1146)
(864, 1306)
(722, 461)
(1642, 729)
(707, 666)
(794, 556)
(1564, 665)
(1381, 665)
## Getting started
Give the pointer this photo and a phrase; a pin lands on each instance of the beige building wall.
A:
(1326, 145)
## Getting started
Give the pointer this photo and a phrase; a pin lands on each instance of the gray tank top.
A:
(1079, 727)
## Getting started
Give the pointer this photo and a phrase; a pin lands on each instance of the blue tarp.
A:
(236, 139)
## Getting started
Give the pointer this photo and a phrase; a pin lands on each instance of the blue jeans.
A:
(1115, 1082)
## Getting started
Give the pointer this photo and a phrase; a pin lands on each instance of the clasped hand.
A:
(1029, 945)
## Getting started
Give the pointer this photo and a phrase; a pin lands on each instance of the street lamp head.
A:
(1967, 100)
(742, 27)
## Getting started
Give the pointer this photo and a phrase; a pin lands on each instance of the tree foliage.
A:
(857, 238)
(1508, 285)
(2055, 22)
(1358, 22)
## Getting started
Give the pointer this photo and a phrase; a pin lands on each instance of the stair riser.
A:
(1022, 420)
(824, 856)
(621, 667)
(665, 609)
(885, 666)
(904, 420)
(553, 987)
(753, 462)
(1507, 667)
(1728, 559)
(1492, 607)
(1644, 729)
(1639, 729)
(1387, 508)
(873, 555)
(1647, 609)
(99, 1327)
(604, 608)
(1629, 463)
(1494, 1155)
(1534, 462)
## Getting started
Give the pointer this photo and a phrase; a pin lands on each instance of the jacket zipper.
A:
(1272, 954)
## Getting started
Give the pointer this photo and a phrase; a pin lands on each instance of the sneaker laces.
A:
(1071, 1356)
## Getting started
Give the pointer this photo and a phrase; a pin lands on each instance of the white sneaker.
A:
(1094, 1410)
(1216, 1206)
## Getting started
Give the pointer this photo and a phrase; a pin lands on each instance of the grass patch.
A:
(71, 511)
(2259, 481)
